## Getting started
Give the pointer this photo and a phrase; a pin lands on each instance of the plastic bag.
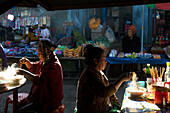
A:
(76, 22)
(110, 35)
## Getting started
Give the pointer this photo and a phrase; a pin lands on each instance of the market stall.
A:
(117, 61)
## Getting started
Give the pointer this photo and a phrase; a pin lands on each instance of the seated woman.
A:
(47, 91)
(94, 93)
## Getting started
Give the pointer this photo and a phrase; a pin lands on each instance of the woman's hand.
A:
(126, 76)
(26, 62)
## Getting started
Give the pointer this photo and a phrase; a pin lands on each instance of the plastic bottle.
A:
(167, 73)
(148, 74)
(163, 40)
(160, 40)
(166, 40)
(157, 40)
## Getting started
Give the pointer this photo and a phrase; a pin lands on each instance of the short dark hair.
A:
(91, 52)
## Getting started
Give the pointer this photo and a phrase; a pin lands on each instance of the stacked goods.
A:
(156, 56)
(121, 55)
(72, 52)
(77, 52)
(68, 52)
(94, 23)
(65, 52)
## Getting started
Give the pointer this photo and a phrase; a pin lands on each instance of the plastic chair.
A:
(60, 109)
(9, 99)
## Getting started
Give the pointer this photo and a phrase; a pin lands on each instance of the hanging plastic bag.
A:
(110, 35)
(77, 22)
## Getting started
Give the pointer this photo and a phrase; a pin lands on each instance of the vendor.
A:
(3, 57)
(130, 42)
(94, 93)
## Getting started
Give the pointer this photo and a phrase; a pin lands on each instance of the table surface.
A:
(14, 88)
(116, 60)
(129, 105)
(10, 87)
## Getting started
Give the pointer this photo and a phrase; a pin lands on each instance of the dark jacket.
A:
(93, 92)
(131, 45)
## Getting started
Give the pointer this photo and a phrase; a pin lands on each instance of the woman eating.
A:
(47, 90)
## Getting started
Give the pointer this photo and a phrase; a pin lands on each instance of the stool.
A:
(9, 99)
(60, 109)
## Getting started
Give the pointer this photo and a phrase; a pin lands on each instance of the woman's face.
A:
(130, 33)
(101, 63)
(40, 54)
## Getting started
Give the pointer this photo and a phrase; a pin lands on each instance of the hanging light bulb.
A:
(10, 17)
(157, 15)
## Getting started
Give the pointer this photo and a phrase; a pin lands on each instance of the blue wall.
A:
(137, 15)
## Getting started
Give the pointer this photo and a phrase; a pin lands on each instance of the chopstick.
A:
(163, 69)
(156, 71)
(160, 72)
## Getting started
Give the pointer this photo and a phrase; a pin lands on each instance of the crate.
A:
(95, 33)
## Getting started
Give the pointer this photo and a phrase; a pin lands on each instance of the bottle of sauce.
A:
(148, 75)
(167, 72)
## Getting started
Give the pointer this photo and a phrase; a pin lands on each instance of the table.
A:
(15, 93)
(129, 105)
(116, 60)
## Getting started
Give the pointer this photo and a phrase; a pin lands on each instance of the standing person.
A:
(94, 91)
(47, 91)
(130, 42)
(3, 57)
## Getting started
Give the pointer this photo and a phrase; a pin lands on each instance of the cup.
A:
(155, 80)
(167, 84)
(150, 88)
(141, 84)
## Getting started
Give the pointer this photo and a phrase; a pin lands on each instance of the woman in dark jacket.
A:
(94, 92)
(131, 43)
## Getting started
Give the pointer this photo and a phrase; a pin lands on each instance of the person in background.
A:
(3, 57)
(94, 93)
(130, 42)
(167, 53)
(46, 93)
